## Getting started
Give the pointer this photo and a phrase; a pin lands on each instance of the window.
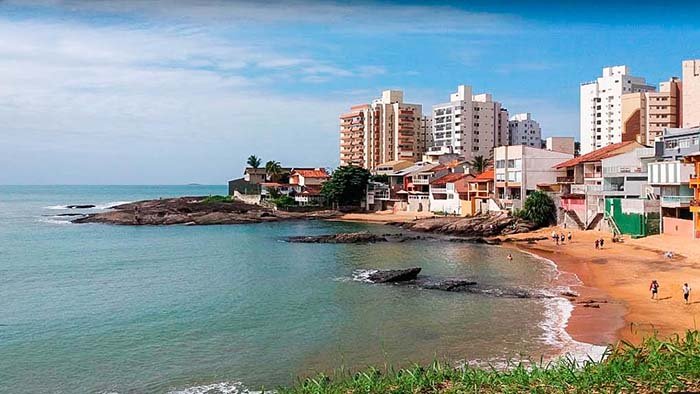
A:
(500, 164)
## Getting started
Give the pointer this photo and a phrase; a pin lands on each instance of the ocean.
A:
(192, 309)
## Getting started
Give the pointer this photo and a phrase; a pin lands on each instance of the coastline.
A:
(616, 278)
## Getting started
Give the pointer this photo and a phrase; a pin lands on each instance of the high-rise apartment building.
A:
(469, 125)
(691, 93)
(385, 130)
(424, 138)
(601, 106)
(645, 115)
(523, 130)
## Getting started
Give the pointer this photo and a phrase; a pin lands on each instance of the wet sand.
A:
(620, 275)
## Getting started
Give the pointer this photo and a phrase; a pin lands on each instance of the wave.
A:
(557, 314)
(54, 220)
(102, 206)
(363, 275)
(216, 388)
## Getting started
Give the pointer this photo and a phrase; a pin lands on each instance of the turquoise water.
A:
(100, 308)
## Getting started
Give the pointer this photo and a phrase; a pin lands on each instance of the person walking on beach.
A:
(686, 293)
(554, 236)
(654, 288)
(569, 236)
(597, 244)
(601, 243)
(561, 236)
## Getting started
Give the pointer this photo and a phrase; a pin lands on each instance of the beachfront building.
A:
(307, 184)
(601, 107)
(523, 130)
(694, 159)
(385, 130)
(424, 139)
(520, 169)
(670, 178)
(391, 167)
(582, 184)
(691, 93)
(646, 114)
(468, 125)
(448, 194)
(561, 144)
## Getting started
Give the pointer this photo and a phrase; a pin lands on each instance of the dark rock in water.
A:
(456, 285)
(570, 294)
(476, 240)
(392, 276)
(84, 206)
(70, 214)
(342, 238)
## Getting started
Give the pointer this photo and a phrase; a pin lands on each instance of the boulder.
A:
(83, 206)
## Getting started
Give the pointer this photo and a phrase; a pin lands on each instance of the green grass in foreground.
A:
(655, 366)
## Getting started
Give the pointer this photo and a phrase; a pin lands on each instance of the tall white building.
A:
(469, 125)
(601, 106)
(523, 130)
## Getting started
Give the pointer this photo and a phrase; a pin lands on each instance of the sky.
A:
(175, 92)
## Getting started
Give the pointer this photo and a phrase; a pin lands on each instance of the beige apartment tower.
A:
(645, 115)
(385, 130)
(691, 94)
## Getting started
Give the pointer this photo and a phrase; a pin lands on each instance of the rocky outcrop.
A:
(409, 277)
(83, 206)
(341, 238)
(354, 238)
(485, 225)
(393, 276)
(195, 211)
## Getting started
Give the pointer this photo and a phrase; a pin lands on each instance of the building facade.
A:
(561, 144)
(385, 130)
(520, 169)
(646, 114)
(523, 130)
(601, 107)
(691, 93)
(468, 125)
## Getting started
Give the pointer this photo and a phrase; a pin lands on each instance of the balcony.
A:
(592, 175)
(586, 189)
(565, 179)
(676, 201)
(694, 182)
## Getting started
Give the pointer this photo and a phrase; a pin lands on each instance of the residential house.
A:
(518, 169)
(445, 196)
(307, 185)
(583, 177)
(480, 190)
(392, 166)
(670, 177)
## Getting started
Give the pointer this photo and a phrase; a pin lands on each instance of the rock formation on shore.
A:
(194, 211)
(485, 225)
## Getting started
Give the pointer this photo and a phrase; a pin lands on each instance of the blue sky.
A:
(161, 92)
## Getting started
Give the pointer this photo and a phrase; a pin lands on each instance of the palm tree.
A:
(254, 161)
(479, 164)
(273, 169)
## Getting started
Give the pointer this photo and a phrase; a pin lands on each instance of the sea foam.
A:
(216, 388)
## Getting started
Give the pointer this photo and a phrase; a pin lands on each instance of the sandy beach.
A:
(617, 277)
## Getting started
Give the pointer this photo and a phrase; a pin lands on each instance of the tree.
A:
(273, 169)
(479, 164)
(254, 161)
(383, 178)
(577, 149)
(347, 186)
(539, 208)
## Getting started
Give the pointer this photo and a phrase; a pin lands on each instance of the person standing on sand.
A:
(601, 243)
(597, 244)
(686, 293)
(569, 236)
(654, 288)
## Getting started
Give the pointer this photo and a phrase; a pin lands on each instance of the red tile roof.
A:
(599, 154)
(449, 178)
(316, 173)
(485, 176)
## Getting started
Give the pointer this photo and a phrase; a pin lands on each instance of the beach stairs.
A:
(613, 226)
(571, 215)
(595, 221)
